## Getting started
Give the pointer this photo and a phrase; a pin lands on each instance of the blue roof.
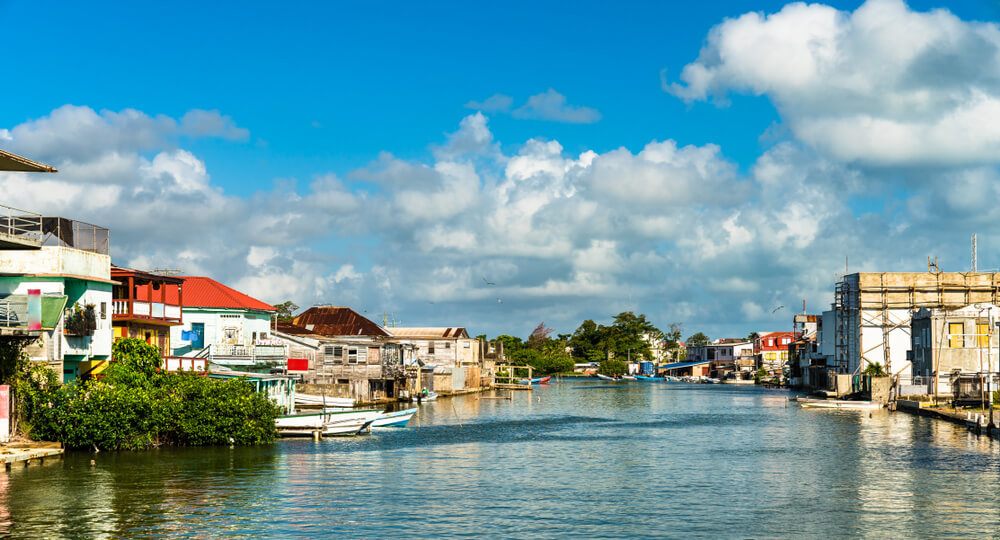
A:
(678, 365)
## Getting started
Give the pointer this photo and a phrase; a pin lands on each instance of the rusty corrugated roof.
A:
(334, 321)
(453, 332)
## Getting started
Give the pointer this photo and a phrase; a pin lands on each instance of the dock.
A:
(25, 454)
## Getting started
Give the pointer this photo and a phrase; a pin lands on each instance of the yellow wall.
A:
(139, 330)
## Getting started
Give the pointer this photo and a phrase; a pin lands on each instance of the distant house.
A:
(226, 326)
(771, 351)
(724, 355)
(347, 352)
(146, 306)
(454, 359)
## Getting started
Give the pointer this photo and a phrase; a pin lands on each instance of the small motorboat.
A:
(606, 378)
(304, 425)
(431, 396)
(710, 380)
(537, 380)
(647, 378)
(394, 419)
(812, 403)
(628, 378)
(346, 428)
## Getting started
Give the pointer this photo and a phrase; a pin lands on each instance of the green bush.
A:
(134, 406)
(612, 368)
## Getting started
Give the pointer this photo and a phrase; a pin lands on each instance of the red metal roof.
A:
(205, 292)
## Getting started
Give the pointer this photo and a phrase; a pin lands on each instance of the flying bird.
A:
(488, 282)
(776, 309)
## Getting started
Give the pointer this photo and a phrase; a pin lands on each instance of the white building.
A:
(227, 327)
(65, 273)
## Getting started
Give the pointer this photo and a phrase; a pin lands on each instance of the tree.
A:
(753, 336)
(587, 341)
(673, 340)
(539, 336)
(631, 336)
(697, 340)
(285, 311)
(612, 368)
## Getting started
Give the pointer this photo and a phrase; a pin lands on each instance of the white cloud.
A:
(494, 103)
(883, 85)
(551, 105)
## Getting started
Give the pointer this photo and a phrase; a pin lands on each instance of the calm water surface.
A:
(577, 458)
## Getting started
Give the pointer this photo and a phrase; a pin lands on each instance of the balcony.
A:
(63, 232)
(20, 229)
(154, 311)
(247, 355)
(14, 318)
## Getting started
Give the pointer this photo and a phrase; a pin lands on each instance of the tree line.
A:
(629, 336)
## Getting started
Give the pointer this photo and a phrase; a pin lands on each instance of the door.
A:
(199, 340)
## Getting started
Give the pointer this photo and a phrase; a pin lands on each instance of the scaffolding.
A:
(884, 302)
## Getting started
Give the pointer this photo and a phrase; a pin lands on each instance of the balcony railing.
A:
(122, 309)
(20, 228)
(64, 232)
(247, 354)
(182, 363)
(13, 314)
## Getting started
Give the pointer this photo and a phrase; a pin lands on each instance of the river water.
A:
(574, 459)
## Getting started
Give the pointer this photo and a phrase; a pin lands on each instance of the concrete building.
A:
(873, 312)
(946, 341)
(771, 351)
(67, 276)
(226, 326)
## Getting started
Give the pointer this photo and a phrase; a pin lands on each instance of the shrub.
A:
(135, 406)
(612, 368)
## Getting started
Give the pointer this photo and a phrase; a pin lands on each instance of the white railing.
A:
(179, 363)
(13, 314)
(251, 352)
(21, 224)
(155, 310)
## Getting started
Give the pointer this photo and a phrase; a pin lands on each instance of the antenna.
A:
(974, 254)
(167, 271)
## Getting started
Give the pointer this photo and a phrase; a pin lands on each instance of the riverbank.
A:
(27, 453)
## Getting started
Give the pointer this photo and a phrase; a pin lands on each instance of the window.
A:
(104, 310)
(328, 350)
(983, 337)
(352, 355)
(770, 343)
(955, 338)
(430, 348)
(447, 344)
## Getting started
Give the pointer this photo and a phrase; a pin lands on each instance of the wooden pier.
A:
(29, 453)
(509, 377)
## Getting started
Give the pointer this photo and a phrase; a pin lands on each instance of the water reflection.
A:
(575, 459)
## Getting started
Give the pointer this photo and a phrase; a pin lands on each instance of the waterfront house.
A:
(771, 351)
(448, 353)
(64, 279)
(225, 326)
(279, 388)
(346, 353)
(145, 306)
(724, 355)
(953, 341)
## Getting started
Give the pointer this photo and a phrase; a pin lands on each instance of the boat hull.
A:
(322, 401)
(838, 404)
(394, 419)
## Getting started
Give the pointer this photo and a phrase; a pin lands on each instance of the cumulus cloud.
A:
(494, 103)
(883, 85)
(551, 105)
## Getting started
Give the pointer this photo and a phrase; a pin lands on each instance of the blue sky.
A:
(323, 89)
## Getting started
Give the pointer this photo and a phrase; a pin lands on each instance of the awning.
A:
(52, 310)
(680, 365)
(14, 162)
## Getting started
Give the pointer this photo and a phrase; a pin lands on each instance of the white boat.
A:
(349, 426)
(394, 419)
(737, 380)
(710, 380)
(431, 396)
(812, 403)
(605, 377)
(322, 401)
(305, 424)
(628, 378)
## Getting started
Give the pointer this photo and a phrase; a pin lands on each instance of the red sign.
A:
(298, 364)
(4, 402)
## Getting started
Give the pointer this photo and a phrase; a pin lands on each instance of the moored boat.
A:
(322, 401)
(305, 424)
(628, 378)
(394, 419)
(536, 380)
(605, 377)
(647, 378)
(812, 403)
